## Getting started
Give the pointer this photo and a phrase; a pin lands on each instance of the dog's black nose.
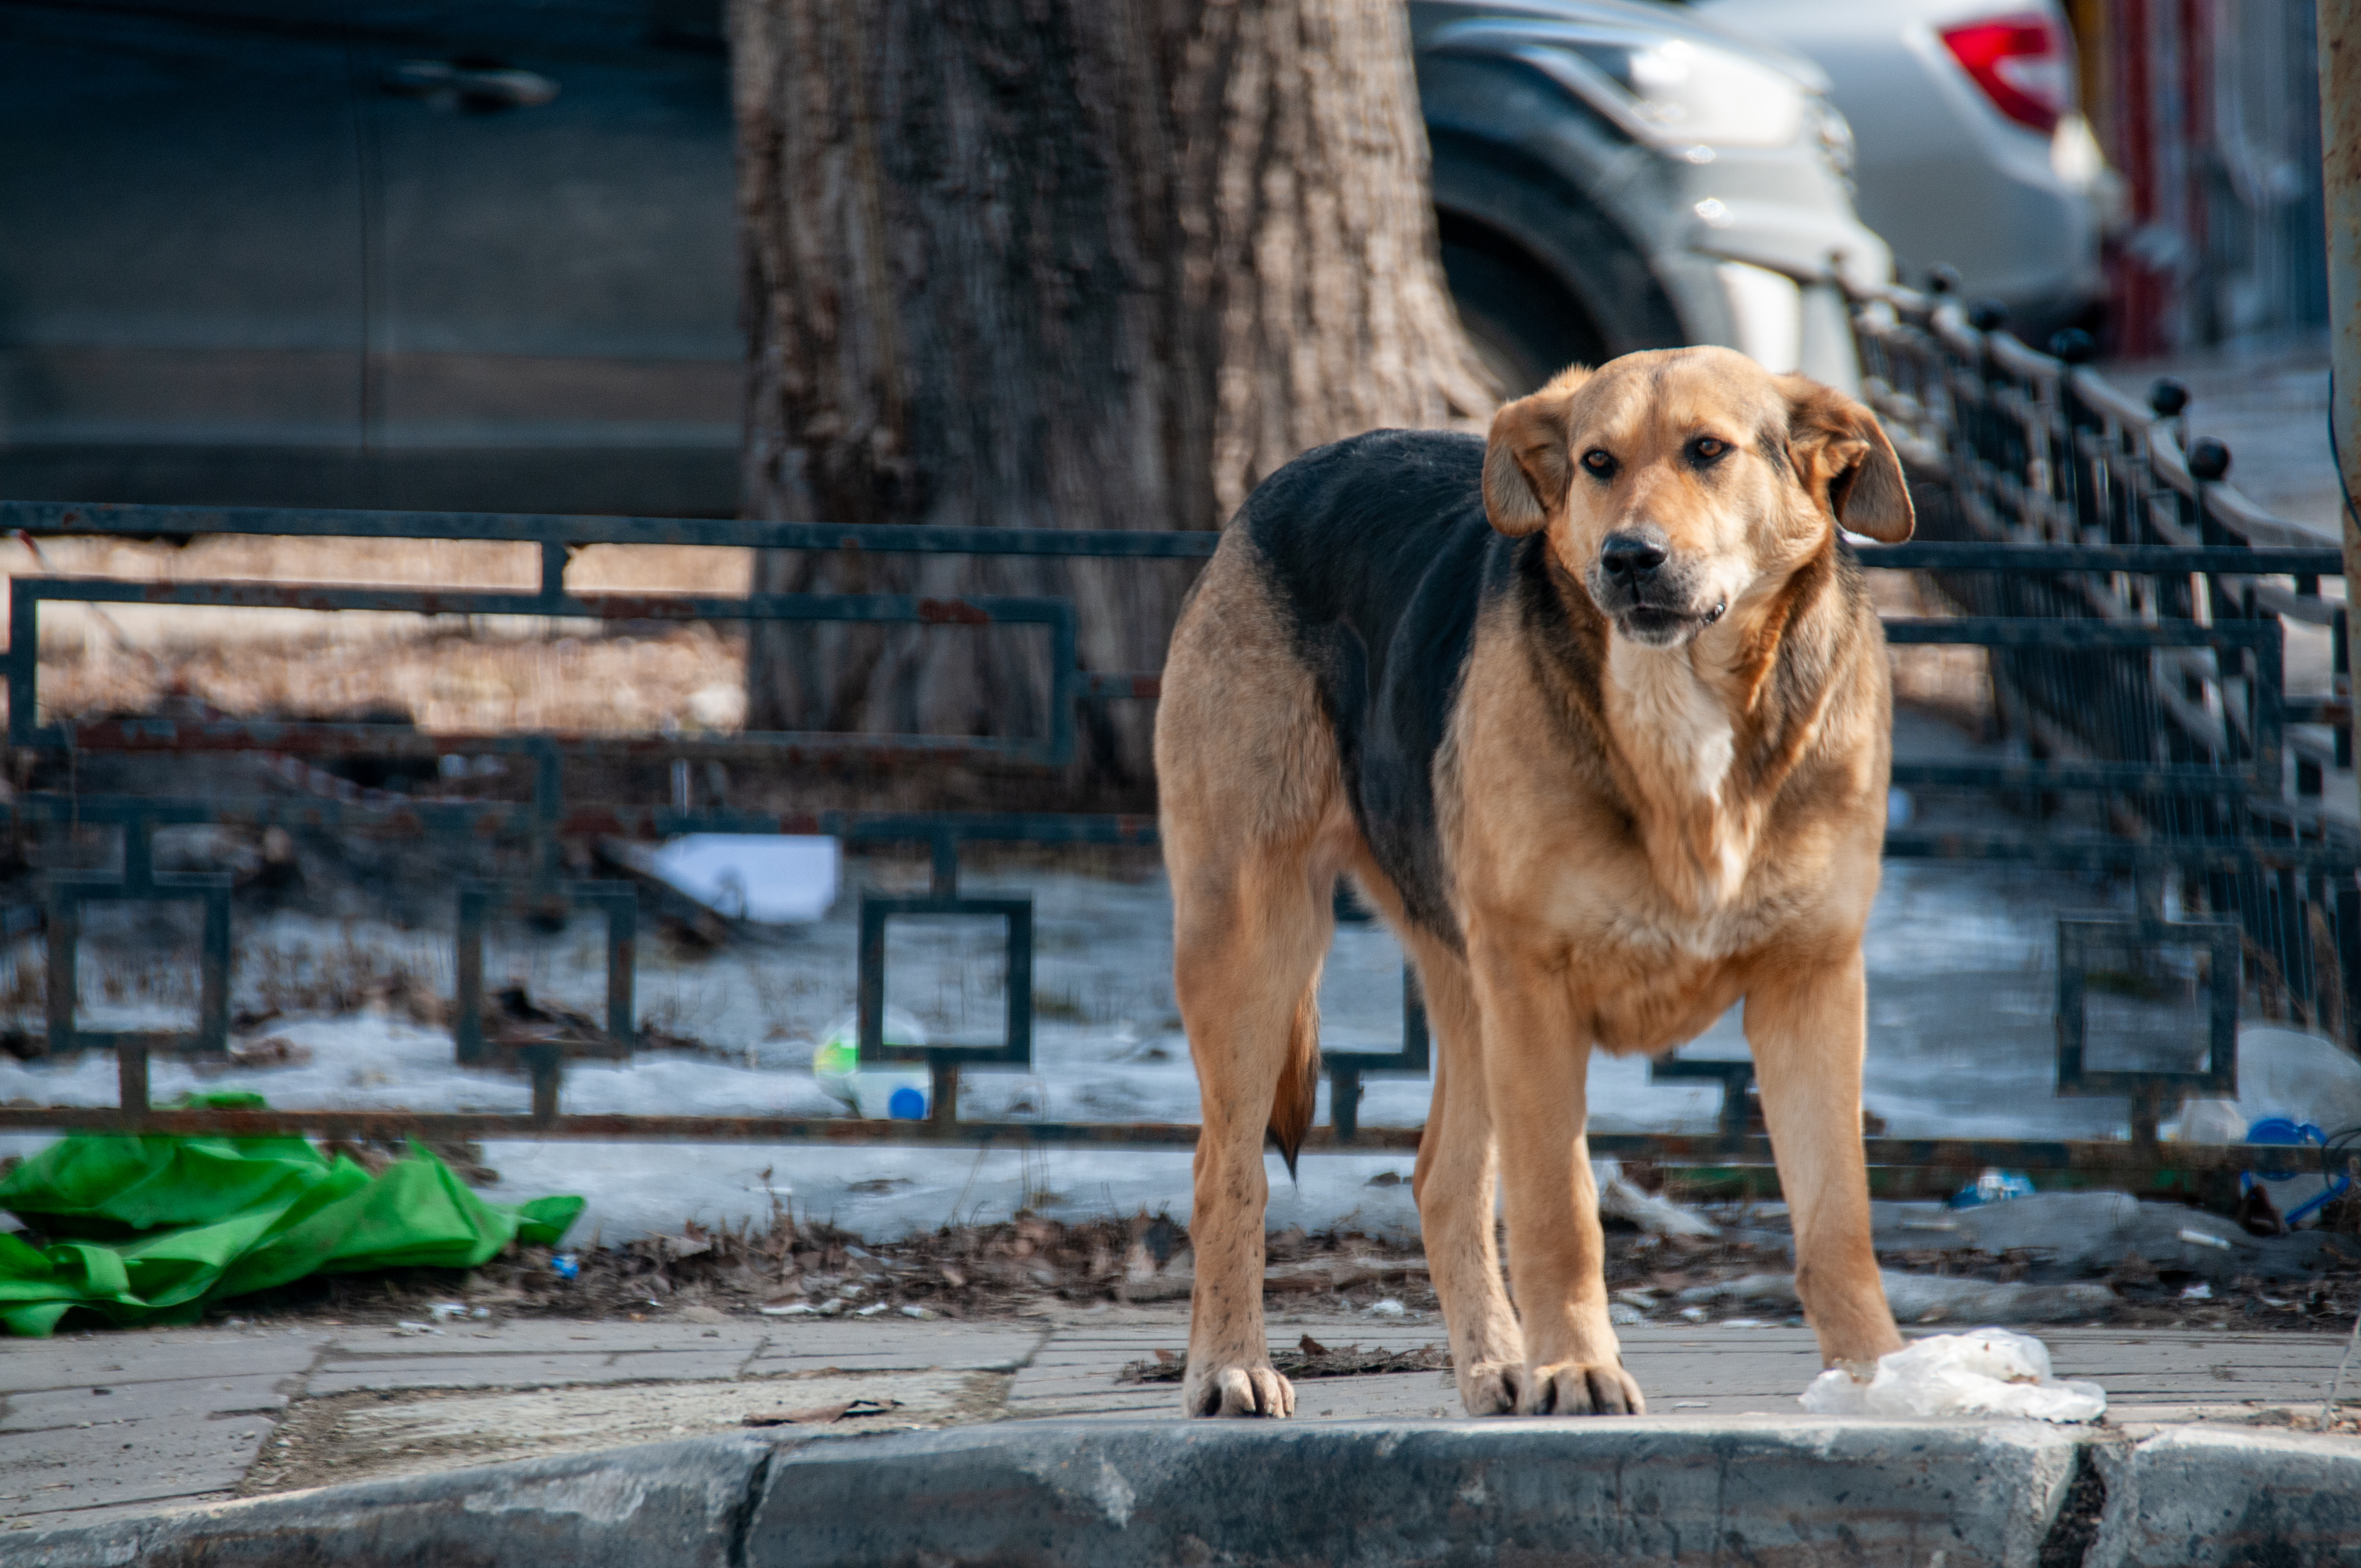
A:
(1631, 557)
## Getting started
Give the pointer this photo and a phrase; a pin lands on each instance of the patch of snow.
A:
(1962, 964)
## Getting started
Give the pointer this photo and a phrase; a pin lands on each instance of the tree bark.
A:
(1063, 263)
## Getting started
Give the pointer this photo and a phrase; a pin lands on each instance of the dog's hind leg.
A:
(1255, 830)
(1249, 933)
(1455, 1184)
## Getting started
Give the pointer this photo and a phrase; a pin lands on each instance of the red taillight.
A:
(2023, 61)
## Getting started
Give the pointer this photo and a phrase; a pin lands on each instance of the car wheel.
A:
(1523, 326)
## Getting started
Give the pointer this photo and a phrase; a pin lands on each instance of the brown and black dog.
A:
(1597, 718)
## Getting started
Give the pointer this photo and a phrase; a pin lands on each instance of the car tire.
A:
(1523, 327)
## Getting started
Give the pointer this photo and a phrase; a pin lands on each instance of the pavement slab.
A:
(209, 1412)
(147, 1355)
(369, 1436)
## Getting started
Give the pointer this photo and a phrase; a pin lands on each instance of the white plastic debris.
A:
(2293, 1078)
(1619, 1199)
(443, 1311)
(1388, 1308)
(872, 1093)
(2201, 1238)
(772, 879)
(792, 1309)
(1988, 1372)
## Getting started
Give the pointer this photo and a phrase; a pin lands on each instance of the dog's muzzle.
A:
(1653, 599)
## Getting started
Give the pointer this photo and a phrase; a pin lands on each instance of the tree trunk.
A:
(1063, 263)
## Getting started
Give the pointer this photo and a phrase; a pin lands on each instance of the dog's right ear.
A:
(1529, 463)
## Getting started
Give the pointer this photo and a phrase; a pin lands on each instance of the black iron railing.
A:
(2130, 605)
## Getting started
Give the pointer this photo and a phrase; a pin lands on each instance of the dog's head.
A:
(1673, 482)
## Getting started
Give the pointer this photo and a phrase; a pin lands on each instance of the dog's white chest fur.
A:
(1669, 712)
(1675, 728)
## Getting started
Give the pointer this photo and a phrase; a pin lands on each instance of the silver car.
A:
(1972, 151)
(1611, 176)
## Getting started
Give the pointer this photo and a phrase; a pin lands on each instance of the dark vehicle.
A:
(480, 254)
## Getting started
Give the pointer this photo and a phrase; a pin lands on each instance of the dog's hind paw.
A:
(1577, 1388)
(1240, 1391)
(1492, 1387)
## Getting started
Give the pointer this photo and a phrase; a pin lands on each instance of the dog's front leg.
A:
(1535, 1058)
(1807, 1023)
(1455, 1186)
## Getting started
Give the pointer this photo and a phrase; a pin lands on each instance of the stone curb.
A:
(1784, 1492)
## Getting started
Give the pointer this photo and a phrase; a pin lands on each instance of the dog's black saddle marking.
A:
(1378, 554)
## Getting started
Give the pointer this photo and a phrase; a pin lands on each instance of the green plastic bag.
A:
(149, 1230)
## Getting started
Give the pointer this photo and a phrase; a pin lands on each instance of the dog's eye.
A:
(1708, 449)
(1600, 463)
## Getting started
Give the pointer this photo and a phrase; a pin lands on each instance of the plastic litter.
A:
(443, 1311)
(565, 1265)
(154, 1228)
(2298, 1191)
(1994, 1186)
(2282, 1073)
(1932, 1298)
(1988, 1372)
(1779, 1287)
(1388, 1308)
(865, 1091)
(771, 879)
(1651, 1211)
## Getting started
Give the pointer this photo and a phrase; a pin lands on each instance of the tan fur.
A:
(1636, 837)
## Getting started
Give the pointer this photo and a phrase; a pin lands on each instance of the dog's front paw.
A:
(1581, 1389)
(1238, 1391)
(1492, 1387)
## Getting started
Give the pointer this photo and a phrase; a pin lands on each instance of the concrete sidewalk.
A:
(94, 1426)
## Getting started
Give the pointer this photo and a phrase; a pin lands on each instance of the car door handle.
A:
(452, 83)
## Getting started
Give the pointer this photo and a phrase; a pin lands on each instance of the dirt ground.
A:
(1021, 1267)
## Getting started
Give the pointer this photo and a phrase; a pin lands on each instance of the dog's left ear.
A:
(1841, 457)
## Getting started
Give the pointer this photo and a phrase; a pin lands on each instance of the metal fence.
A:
(2131, 607)
(2207, 766)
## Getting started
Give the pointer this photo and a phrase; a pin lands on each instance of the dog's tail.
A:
(1299, 1079)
